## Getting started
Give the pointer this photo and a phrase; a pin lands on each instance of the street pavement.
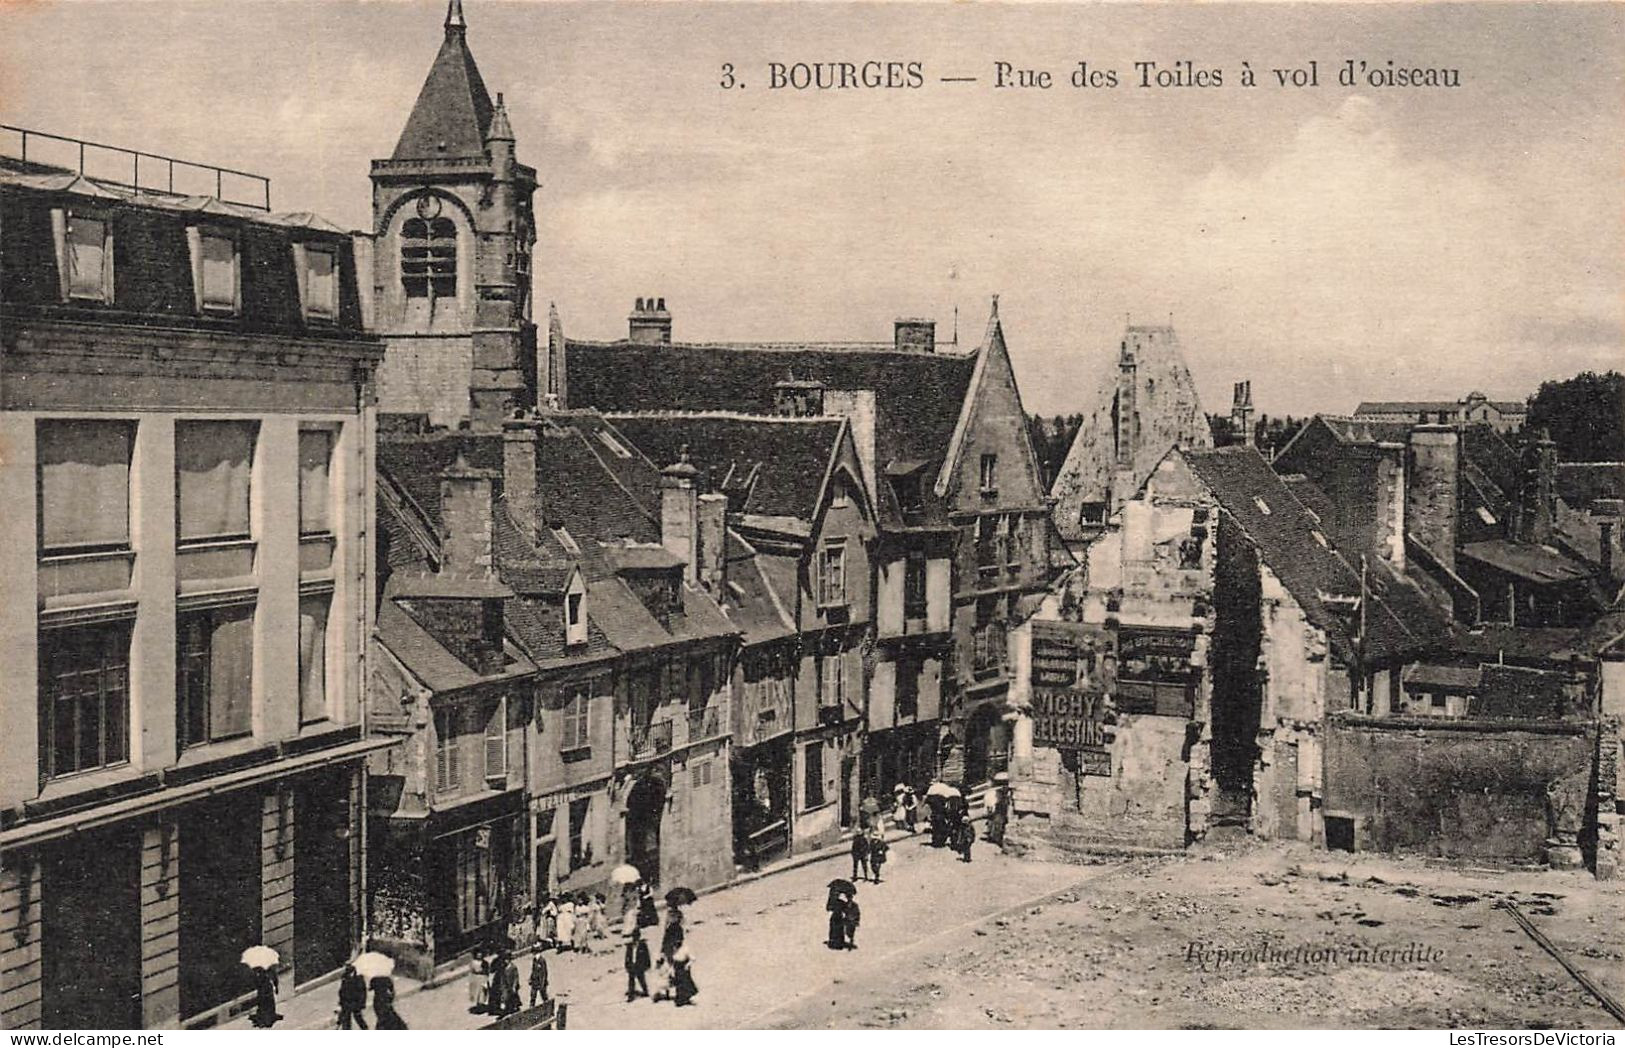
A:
(759, 946)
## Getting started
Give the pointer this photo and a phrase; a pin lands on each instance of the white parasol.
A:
(261, 957)
(625, 874)
(941, 789)
(374, 965)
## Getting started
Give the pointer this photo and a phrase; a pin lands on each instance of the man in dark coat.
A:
(877, 854)
(383, 1004)
(850, 921)
(352, 998)
(860, 855)
(637, 958)
(538, 977)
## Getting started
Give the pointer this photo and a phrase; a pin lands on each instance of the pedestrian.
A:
(510, 985)
(383, 1004)
(648, 917)
(965, 836)
(939, 821)
(860, 855)
(479, 981)
(911, 808)
(352, 998)
(682, 976)
(538, 976)
(877, 855)
(849, 922)
(548, 919)
(600, 922)
(567, 923)
(265, 990)
(836, 905)
(637, 957)
(583, 924)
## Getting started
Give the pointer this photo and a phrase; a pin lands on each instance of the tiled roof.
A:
(1399, 619)
(1392, 407)
(453, 110)
(777, 465)
(753, 605)
(1492, 641)
(430, 662)
(918, 396)
(1366, 431)
(1526, 560)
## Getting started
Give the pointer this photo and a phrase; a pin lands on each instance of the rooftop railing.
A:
(135, 169)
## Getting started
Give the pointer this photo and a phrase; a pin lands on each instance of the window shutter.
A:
(496, 742)
(301, 272)
(194, 247)
(59, 240)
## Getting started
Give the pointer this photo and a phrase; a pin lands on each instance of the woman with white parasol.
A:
(262, 960)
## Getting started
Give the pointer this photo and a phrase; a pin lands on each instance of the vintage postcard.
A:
(903, 515)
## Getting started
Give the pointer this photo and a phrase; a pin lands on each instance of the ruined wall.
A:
(1291, 714)
(1481, 790)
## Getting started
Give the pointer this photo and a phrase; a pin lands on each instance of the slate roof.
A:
(453, 112)
(1399, 619)
(755, 604)
(1493, 641)
(918, 396)
(1390, 407)
(776, 466)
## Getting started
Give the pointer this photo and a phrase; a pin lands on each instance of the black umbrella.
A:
(843, 886)
(680, 897)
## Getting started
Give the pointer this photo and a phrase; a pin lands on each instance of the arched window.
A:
(429, 258)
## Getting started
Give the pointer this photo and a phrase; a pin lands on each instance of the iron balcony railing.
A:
(117, 166)
(651, 740)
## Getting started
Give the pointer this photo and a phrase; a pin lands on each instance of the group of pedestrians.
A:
(353, 1001)
(493, 980)
(844, 916)
(571, 922)
(675, 967)
(869, 854)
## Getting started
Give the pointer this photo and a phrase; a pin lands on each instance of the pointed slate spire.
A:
(500, 130)
(453, 111)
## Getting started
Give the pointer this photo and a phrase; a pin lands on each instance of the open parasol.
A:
(374, 965)
(680, 897)
(625, 874)
(871, 806)
(261, 957)
(840, 885)
(941, 789)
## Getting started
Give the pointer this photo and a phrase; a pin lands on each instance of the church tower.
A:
(453, 231)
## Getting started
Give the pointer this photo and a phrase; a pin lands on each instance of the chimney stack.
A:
(1431, 492)
(466, 538)
(915, 335)
(650, 323)
(519, 474)
(1537, 498)
(679, 514)
(1241, 412)
(713, 514)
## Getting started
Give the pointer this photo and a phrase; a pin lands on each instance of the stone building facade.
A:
(188, 419)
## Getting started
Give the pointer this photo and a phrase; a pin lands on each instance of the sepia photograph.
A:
(904, 515)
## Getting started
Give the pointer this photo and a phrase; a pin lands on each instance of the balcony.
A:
(650, 740)
(704, 724)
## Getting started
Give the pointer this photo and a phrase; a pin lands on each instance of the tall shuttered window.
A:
(214, 679)
(84, 484)
(214, 463)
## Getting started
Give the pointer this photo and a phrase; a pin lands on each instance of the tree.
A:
(1585, 416)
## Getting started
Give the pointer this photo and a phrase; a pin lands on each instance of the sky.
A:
(1331, 244)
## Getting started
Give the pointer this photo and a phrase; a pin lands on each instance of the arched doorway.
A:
(985, 746)
(645, 805)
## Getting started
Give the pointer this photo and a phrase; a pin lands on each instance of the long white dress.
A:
(567, 924)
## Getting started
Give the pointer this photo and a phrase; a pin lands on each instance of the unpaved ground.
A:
(1117, 951)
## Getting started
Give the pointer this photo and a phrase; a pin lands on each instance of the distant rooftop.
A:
(24, 151)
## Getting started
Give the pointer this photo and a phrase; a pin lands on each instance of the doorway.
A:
(323, 927)
(90, 953)
(220, 901)
(645, 807)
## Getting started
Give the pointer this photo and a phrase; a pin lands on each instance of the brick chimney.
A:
(915, 335)
(466, 537)
(1241, 412)
(679, 514)
(519, 474)
(1537, 497)
(1431, 493)
(650, 323)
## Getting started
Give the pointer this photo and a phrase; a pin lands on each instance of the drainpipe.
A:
(367, 420)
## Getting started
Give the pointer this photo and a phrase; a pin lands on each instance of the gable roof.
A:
(430, 661)
(992, 361)
(1399, 618)
(776, 466)
(918, 396)
(452, 115)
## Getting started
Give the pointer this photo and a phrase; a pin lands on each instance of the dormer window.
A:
(318, 280)
(575, 613)
(990, 473)
(84, 251)
(216, 274)
(831, 581)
